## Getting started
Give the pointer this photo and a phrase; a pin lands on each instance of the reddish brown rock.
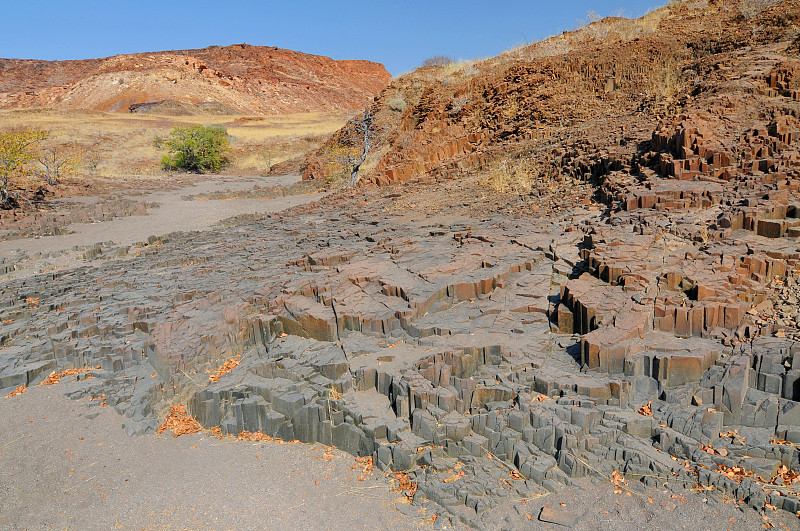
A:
(247, 79)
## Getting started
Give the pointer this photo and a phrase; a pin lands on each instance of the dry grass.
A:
(519, 175)
(594, 29)
(465, 67)
(121, 144)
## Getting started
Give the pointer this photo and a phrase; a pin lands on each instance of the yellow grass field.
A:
(121, 144)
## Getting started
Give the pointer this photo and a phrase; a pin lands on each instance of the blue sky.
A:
(399, 34)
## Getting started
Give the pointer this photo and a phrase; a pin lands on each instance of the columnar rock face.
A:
(247, 79)
(639, 317)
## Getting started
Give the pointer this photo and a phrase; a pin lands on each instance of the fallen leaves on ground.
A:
(102, 399)
(736, 473)
(699, 487)
(18, 391)
(226, 367)
(328, 455)
(405, 485)
(455, 476)
(785, 475)
(260, 436)
(619, 481)
(425, 448)
(646, 409)
(365, 463)
(179, 422)
(56, 376)
(782, 442)
(255, 436)
(710, 450)
(731, 434)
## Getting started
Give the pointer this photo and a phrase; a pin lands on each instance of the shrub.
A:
(750, 9)
(397, 104)
(55, 163)
(437, 60)
(17, 149)
(522, 175)
(197, 149)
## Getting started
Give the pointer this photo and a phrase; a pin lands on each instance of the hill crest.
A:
(249, 79)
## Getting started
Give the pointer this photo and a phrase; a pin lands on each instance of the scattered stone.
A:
(559, 516)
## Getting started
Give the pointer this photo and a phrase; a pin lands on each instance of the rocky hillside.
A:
(248, 79)
(604, 87)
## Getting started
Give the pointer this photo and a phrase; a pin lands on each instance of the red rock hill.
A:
(249, 79)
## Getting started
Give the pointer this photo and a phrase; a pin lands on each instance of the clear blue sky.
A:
(399, 34)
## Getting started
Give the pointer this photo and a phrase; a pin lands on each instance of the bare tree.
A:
(56, 163)
(360, 138)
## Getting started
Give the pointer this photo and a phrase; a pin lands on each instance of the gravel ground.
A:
(62, 469)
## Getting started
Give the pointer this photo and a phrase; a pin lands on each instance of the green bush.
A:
(197, 149)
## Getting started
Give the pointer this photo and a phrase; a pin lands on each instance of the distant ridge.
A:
(247, 79)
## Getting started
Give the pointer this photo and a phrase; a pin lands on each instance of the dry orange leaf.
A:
(366, 467)
(454, 477)
(56, 376)
(179, 422)
(405, 485)
(18, 391)
(226, 367)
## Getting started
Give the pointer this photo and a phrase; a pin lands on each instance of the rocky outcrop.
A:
(635, 315)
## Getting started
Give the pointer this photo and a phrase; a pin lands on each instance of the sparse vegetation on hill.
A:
(437, 60)
(119, 146)
(750, 9)
(196, 149)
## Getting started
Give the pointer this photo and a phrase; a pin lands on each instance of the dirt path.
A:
(60, 468)
(172, 214)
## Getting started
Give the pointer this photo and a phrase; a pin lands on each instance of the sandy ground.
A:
(169, 212)
(61, 469)
(68, 464)
(172, 214)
